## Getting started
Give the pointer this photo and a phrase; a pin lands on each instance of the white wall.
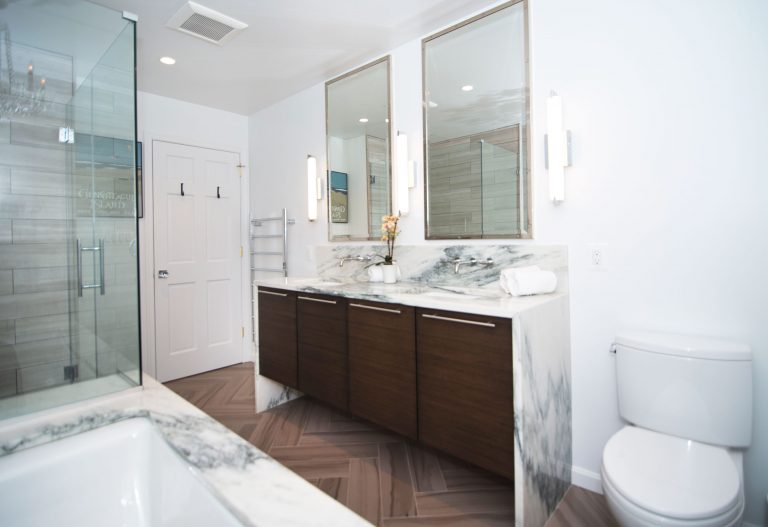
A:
(163, 118)
(666, 102)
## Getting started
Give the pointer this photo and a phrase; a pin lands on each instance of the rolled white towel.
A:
(530, 280)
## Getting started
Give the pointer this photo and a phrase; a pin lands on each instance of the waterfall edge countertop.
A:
(489, 300)
(257, 489)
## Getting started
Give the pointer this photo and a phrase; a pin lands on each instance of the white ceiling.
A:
(288, 46)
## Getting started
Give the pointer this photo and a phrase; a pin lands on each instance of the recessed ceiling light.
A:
(432, 104)
(168, 60)
(467, 87)
(363, 119)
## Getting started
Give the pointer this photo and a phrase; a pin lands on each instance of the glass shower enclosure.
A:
(69, 289)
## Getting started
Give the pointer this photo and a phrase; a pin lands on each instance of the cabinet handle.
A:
(317, 300)
(372, 308)
(461, 320)
(272, 293)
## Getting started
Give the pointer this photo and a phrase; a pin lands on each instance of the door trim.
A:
(147, 248)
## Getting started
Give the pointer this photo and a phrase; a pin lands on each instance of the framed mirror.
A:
(357, 115)
(476, 127)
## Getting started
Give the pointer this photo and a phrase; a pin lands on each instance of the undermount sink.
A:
(121, 474)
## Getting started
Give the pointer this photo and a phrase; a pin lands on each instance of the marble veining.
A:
(543, 433)
(432, 264)
(252, 485)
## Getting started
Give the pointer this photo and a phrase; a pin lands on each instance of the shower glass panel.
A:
(69, 316)
(500, 181)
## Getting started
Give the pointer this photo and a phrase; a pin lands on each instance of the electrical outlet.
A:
(598, 256)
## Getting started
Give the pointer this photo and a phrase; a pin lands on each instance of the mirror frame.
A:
(524, 234)
(386, 59)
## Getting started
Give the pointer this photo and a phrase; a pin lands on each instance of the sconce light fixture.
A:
(312, 187)
(413, 166)
(557, 148)
(401, 174)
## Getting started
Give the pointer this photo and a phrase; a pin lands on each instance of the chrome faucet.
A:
(458, 262)
(358, 258)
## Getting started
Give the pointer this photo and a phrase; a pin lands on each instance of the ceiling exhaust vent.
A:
(202, 22)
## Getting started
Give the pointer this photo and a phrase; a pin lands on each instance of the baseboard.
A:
(587, 479)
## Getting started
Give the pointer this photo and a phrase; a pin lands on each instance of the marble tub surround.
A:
(252, 485)
(431, 264)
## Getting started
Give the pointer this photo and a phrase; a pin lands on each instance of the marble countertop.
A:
(488, 300)
(255, 487)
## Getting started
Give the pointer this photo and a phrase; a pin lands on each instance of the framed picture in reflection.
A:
(339, 197)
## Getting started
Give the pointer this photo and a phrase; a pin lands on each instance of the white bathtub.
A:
(123, 474)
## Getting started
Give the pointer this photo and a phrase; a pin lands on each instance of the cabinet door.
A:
(382, 364)
(322, 322)
(277, 336)
(465, 387)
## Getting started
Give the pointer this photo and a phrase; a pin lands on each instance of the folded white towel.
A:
(530, 280)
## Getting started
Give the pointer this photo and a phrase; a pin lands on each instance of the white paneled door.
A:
(198, 316)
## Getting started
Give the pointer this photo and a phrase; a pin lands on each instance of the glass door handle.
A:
(80, 250)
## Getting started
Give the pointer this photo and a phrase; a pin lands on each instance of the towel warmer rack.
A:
(264, 251)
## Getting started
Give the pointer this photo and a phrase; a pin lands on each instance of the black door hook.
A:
(182, 188)
(218, 194)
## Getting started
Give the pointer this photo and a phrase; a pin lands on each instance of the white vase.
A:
(390, 273)
(375, 274)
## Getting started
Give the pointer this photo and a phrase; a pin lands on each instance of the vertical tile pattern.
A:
(378, 182)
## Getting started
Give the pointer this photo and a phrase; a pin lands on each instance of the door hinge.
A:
(242, 331)
(241, 251)
(240, 169)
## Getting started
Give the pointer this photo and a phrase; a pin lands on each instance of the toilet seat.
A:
(672, 478)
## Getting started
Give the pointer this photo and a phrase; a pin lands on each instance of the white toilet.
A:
(688, 402)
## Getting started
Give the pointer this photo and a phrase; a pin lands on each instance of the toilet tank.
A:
(691, 387)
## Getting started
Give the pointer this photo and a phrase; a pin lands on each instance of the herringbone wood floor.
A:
(386, 478)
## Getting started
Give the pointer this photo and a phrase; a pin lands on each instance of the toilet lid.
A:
(670, 476)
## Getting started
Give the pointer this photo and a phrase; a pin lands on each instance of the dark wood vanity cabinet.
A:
(442, 377)
(382, 364)
(277, 336)
(322, 348)
(465, 387)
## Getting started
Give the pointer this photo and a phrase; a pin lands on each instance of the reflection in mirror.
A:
(476, 133)
(357, 124)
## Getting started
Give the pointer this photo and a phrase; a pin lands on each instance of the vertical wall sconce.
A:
(413, 166)
(312, 188)
(557, 148)
(401, 174)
